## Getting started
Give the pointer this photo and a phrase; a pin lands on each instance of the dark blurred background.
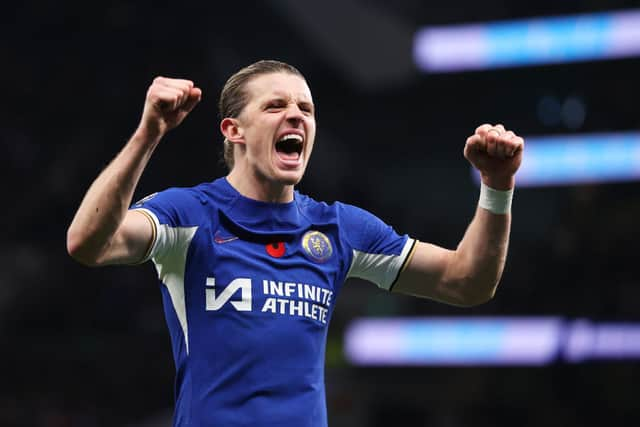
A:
(89, 347)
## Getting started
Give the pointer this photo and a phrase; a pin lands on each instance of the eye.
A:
(275, 105)
(306, 108)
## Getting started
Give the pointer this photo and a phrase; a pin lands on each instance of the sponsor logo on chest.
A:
(280, 297)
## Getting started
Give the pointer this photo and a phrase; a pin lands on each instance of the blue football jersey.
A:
(248, 289)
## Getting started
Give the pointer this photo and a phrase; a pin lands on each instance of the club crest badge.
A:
(317, 246)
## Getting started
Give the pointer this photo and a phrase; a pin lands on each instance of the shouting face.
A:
(275, 131)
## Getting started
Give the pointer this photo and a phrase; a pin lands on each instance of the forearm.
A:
(478, 262)
(106, 203)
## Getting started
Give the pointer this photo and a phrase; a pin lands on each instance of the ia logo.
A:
(214, 303)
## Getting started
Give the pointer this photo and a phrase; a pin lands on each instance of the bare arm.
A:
(470, 274)
(103, 231)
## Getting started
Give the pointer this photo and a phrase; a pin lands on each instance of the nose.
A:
(294, 114)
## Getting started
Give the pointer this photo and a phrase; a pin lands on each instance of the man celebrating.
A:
(250, 268)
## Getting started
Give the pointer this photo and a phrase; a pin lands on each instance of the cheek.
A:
(311, 131)
(259, 142)
(313, 138)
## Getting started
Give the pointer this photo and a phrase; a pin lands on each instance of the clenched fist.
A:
(167, 103)
(496, 153)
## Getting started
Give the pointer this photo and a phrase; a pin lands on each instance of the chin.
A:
(290, 180)
(289, 177)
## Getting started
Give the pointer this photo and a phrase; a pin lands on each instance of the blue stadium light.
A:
(586, 340)
(452, 341)
(498, 341)
(579, 159)
(596, 36)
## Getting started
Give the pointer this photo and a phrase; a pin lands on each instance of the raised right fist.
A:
(167, 104)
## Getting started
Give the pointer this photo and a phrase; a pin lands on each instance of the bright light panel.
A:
(536, 41)
(528, 341)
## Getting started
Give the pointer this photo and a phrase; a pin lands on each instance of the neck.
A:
(262, 190)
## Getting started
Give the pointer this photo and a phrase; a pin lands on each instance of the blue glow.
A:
(530, 341)
(453, 340)
(547, 40)
(528, 42)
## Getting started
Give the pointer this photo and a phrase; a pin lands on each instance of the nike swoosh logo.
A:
(223, 239)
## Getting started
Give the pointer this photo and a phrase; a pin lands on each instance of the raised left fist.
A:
(496, 153)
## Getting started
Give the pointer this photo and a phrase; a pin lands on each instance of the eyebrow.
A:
(284, 95)
(279, 97)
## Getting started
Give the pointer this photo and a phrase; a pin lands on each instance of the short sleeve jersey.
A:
(248, 290)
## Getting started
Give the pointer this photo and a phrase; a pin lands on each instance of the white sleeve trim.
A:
(383, 270)
(155, 223)
(165, 237)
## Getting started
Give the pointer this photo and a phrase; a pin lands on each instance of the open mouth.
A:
(289, 147)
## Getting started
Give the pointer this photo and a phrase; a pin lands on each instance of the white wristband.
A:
(495, 201)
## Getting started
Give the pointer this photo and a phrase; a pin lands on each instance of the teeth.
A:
(291, 136)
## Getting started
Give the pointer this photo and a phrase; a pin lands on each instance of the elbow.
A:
(478, 299)
(475, 293)
(77, 249)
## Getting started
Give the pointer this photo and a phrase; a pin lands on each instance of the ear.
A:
(232, 130)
